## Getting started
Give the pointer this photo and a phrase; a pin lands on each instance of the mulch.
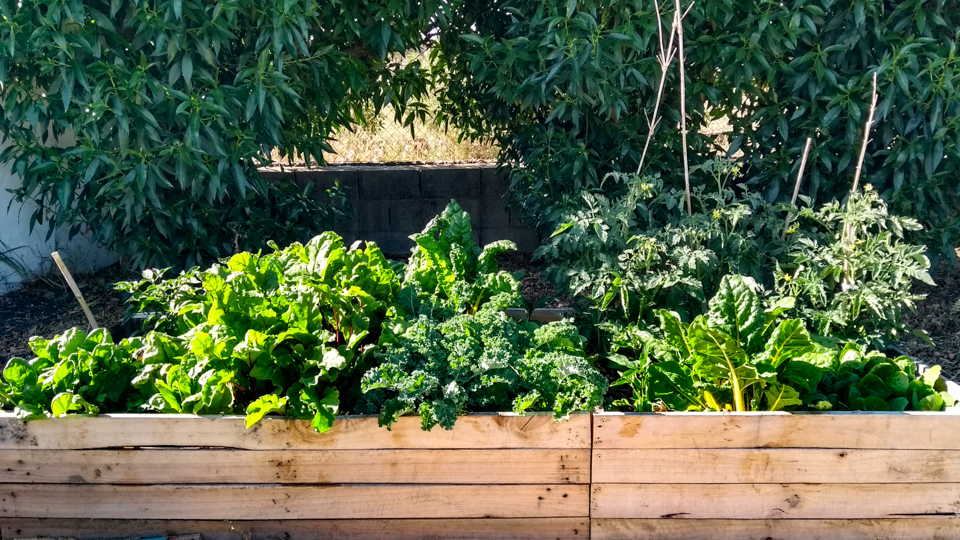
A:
(939, 315)
(46, 307)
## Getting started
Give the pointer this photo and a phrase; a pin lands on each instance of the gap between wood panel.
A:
(372, 529)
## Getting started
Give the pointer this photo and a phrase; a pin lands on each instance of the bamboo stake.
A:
(665, 58)
(796, 187)
(683, 107)
(75, 289)
(848, 232)
(866, 136)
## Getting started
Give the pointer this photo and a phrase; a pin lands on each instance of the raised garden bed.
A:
(604, 476)
(492, 476)
(755, 476)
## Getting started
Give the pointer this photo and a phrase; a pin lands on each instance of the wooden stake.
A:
(866, 136)
(683, 106)
(665, 58)
(796, 187)
(75, 289)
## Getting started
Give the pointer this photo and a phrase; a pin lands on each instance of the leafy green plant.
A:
(736, 357)
(859, 380)
(480, 362)
(448, 273)
(74, 372)
(145, 120)
(743, 356)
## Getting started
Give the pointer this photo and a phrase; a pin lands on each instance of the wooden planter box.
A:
(755, 476)
(491, 477)
(608, 476)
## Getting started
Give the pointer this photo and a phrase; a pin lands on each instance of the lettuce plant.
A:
(859, 380)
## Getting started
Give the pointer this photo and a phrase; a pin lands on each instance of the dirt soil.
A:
(939, 315)
(46, 307)
(535, 290)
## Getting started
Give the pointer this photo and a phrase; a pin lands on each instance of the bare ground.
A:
(46, 307)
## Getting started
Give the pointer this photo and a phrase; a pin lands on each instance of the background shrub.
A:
(173, 103)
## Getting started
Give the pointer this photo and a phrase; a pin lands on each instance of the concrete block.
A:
(493, 213)
(324, 178)
(493, 185)
(274, 174)
(392, 244)
(381, 183)
(407, 216)
(450, 182)
(515, 220)
(372, 216)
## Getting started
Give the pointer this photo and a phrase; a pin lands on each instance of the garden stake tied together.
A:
(76, 290)
(666, 58)
(796, 187)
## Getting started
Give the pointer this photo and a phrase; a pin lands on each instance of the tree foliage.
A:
(145, 119)
(566, 87)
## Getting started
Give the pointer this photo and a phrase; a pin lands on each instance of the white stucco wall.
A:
(30, 252)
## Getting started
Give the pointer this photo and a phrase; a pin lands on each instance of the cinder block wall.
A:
(392, 202)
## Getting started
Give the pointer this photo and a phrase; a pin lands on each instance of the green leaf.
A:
(270, 403)
(780, 396)
(789, 341)
(736, 310)
(673, 384)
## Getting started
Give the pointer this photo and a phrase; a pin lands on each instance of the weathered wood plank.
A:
(773, 501)
(775, 466)
(347, 433)
(778, 529)
(527, 466)
(372, 529)
(905, 431)
(265, 502)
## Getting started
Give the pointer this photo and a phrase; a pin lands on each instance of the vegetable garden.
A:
(728, 371)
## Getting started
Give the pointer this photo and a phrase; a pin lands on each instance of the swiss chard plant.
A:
(448, 273)
(739, 356)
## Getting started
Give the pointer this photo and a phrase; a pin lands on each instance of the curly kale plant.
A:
(481, 362)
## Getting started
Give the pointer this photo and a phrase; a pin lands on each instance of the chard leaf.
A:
(737, 311)
(672, 383)
(789, 341)
(780, 396)
(270, 403)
